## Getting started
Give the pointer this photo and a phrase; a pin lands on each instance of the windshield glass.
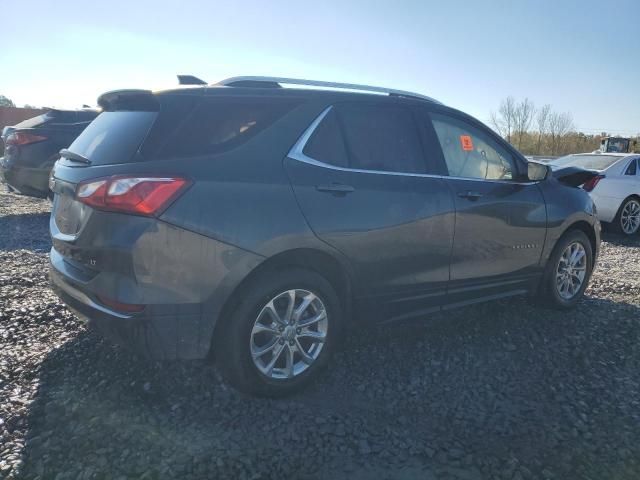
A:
(590, 162)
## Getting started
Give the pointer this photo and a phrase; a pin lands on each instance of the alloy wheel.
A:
(571, 270)
(630, 217)
(288, 334)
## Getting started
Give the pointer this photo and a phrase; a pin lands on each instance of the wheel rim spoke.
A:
(288, 369)
(270, 310)
(260, 351)
(316, 337)
(276, 355)
(260, 327)
(307, 322)
(306, 358)
(303, 306)
(290, 306)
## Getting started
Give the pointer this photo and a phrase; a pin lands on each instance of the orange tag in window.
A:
(466, 142)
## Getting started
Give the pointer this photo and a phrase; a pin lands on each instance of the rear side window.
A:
(326, 144)
(383, 138)
(113, 137)
(632, 168)
(471, 153)
(219, 125)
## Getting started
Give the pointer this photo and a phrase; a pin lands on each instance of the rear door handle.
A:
(469, 195)
(335, 188)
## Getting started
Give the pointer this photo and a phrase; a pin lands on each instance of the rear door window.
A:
(327, 144)
(380, 137)
(219, 125)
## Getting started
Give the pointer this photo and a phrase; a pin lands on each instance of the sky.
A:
(579, 56)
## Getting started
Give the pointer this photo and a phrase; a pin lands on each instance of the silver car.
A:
(616, 190)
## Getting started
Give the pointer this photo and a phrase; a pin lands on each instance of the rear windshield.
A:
(590, 162)
(113, 137)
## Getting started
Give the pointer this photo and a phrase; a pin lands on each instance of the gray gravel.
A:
(503, 390)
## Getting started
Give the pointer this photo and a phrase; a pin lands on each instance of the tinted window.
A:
(219, 125)
(113, 137)
(471, 153)
(326, 144)
(381, 138)
(632, 168)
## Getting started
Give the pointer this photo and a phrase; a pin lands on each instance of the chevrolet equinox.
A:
(252, 221)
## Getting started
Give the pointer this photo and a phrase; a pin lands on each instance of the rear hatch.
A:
(115, 138)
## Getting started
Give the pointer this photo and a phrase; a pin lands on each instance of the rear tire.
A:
(627, 219)
(568, 271)
(271, 320)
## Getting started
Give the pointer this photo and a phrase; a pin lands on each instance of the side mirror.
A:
(537, 172)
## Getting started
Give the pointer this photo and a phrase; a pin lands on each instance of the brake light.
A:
(590, 184)
(137, 195)
(23, 138)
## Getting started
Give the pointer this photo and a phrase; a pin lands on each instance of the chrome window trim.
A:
(297, 153)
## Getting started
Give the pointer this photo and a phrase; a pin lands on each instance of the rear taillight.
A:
(590, 184)
(138, 195)
(23, 138)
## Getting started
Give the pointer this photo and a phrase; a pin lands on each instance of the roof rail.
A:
(276, 81)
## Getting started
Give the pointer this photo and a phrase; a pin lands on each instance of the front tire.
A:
(281, 334)
(568, 271)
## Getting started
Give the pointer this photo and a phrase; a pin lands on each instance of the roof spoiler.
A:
(135, 100)
(190, 80)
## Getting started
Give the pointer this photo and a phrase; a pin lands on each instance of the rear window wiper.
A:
(76, 157)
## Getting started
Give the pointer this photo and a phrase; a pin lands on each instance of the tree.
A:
(542, 121)
(26, 105)
(522, 117)
(560, 124)
(504, 121)
(5, 102)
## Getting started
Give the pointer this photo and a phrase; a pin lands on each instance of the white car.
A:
(616, 190)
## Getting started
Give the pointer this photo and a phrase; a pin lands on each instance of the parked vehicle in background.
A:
(617, 145)
(254, 221)
(31, 148)
(616, 188)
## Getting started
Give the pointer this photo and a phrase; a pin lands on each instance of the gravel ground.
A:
(503, 390)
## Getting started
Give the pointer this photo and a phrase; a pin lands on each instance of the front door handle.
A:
(335, 188)
(469, 195)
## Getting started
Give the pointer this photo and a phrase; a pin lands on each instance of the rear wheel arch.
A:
(317, 261)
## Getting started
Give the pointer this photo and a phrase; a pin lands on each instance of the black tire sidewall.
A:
(235, 358)
(551, 292)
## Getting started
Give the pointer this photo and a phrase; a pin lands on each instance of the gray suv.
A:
(254, 222)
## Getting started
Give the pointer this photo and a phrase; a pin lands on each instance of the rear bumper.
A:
(27, 181)
(162, 337)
